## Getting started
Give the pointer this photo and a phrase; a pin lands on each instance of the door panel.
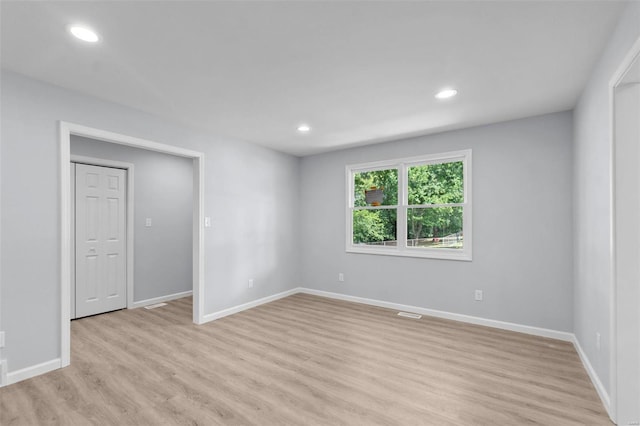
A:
(91, 278)
(112, 274)
(100, 240)
(113, 219)
(91, 218)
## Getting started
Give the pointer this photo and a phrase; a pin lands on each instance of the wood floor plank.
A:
(304, 360)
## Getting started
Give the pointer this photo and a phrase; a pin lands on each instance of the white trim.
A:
(160, 299)
(527, 329)
(120, 139)
(3, 372)
(613, 380)
(34, 370)
(72, 241)
(616, 78)
(198, 239)
(424, 253)
(602, 391)
(65, 244)
(239, 308)
(402, 165)
(439, 157)
(95, 161)
(65, 132)
(130, 224)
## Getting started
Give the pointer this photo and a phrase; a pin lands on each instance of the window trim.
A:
(402, 164)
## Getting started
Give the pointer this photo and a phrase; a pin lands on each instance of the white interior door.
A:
(100, 239)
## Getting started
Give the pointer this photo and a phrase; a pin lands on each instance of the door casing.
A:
(616, 294)
(67, 129)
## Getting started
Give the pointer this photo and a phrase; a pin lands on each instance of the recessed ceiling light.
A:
(304, 128)
(446, 93)
(83, 33)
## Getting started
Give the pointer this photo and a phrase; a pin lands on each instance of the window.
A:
(418, 207)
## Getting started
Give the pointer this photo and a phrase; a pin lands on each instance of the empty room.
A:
(320, 212)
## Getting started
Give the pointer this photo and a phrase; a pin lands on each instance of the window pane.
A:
(435, 227)
(381, 185)
(375, 227)
(436, 183)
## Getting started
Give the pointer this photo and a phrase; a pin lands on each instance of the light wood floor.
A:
(304, 360)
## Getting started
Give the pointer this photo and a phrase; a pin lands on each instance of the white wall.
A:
(163, 191)
(592, 195)
(522, 236)
(251, 194)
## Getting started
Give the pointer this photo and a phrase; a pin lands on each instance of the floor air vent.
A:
(157, 305)
(409, 315)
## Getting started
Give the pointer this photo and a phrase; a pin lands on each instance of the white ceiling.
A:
(357, 72)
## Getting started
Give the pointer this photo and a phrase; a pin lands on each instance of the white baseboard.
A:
(595, 379)
(160, 299)
(248, 305)
(536, 331)
(34, 370)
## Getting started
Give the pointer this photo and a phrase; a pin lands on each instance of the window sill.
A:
(441, 254)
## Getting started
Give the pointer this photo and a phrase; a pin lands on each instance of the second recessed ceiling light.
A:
(446, 93)
(84, 33)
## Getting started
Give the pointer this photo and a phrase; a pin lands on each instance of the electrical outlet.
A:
(341, 277)
(148, 222)
(251, 283)
(598, 341)
(1, 339)
(207, 222)
(479, 295)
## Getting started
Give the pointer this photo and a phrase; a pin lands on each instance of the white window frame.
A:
(403, 164)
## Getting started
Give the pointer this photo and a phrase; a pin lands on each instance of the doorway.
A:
(625, 291)
(68, 129)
